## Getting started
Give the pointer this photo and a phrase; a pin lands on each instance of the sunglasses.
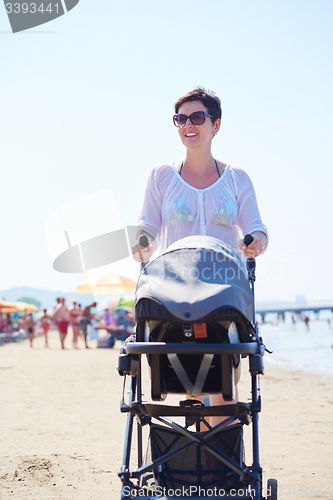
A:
(196, 118)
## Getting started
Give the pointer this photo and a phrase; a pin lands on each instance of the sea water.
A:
(297, 347)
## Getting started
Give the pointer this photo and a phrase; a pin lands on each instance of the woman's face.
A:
(197, 135)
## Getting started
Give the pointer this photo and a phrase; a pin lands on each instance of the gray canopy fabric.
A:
(195, 276)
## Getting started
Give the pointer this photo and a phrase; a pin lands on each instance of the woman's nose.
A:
(188, 123)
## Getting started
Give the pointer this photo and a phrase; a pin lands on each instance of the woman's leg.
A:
(217, 399)
(62, 340)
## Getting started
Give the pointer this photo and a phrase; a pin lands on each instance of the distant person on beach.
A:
(58, 304)
(46, 324)
(75, 314)
(30, 327)
(56, 307)
(293, 320)
(10, 328)
(21, 323)
(108, 318)
(86, 320)
(62, 317)
(306, 321)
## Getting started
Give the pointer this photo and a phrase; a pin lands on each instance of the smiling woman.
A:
(199, 195)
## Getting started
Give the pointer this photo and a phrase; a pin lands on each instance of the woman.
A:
(75, 316)
(199, 195)
(30, 327)
(46, 325)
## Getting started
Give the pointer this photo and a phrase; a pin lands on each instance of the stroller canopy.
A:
(193, 278)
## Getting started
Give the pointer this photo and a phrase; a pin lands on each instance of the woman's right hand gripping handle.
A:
(144, 249)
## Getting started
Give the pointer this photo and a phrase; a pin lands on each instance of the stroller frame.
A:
(249, 484)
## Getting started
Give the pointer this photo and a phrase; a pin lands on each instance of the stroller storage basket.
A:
(197, 467)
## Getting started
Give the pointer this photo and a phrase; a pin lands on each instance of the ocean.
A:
(299, 348)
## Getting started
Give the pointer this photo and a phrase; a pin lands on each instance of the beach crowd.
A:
(62, 317)
(77, 318)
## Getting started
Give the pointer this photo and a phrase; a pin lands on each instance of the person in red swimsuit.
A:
(63, 318)
(30, 326)
(46, 323)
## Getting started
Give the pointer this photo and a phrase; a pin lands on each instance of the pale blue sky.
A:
(87, 104)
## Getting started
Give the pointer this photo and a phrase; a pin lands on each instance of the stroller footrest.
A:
(151, 410)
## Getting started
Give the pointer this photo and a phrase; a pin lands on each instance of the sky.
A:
(87, 104)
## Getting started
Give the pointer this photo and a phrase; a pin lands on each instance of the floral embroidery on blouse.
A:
(179, 212)
(226, 210)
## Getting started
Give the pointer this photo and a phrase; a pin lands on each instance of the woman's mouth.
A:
(190, 134)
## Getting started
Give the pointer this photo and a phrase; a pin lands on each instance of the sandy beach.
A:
(62, 433)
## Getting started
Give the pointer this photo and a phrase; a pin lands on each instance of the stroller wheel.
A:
(272, 489)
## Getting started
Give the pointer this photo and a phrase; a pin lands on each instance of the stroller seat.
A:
(196, 292)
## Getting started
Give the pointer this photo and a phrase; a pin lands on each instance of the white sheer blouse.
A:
(226, 210)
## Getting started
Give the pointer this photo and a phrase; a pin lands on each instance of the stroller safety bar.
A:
(189, 348)
(152, 410)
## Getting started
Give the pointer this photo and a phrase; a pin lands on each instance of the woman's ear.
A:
(217, 126)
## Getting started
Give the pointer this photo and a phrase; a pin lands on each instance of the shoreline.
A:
(284, 365)
(295, 428)
(62, 433)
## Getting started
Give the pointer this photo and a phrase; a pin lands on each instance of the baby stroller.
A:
(195, 318)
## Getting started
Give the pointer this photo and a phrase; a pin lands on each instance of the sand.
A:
(62, 433)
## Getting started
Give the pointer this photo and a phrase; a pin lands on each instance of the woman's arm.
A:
(150, 219)
(248, 219)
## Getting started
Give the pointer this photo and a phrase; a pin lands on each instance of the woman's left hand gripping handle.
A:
(143, 250)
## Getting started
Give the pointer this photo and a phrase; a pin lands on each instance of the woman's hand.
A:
(258, 244)
(140, 253)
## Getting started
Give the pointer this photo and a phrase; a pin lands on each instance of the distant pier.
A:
(297, 307)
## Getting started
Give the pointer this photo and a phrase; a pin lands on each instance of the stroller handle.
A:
(174, 348)
(143, 240)
(248, 238)
(250, 263)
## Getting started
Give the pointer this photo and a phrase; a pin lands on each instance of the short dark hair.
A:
(208, 99)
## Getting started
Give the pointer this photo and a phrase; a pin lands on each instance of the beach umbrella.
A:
(13, 307)
(107, 284)
(5, 303)
(8, 307)
(8, 310)
(25, 307)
